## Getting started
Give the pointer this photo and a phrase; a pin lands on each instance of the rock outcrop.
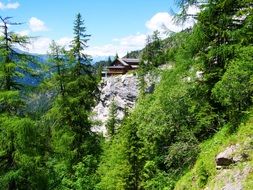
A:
(230, 155)
(225, 158)
(233, 166)
(123, 90)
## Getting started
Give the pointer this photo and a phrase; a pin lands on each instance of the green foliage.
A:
(134, 54)
(234, 90)
(152, 55)
(169, 133)
(13, 65)
(202, 175)
(21, 158)
(112, 121)
(57, 58)
(74, 147)
(153, 178)
(204, 170)
(114, 168)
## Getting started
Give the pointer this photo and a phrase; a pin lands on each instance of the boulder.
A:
(225, 158)
(230, 155)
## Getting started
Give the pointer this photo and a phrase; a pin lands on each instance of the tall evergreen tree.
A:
(20, 148)
(112, 121)
(57, 58)
(75, 146)
(153, 52)
(109, 62)
(14, 65)
(78, 45)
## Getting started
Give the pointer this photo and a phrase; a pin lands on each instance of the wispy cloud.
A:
(37, 25)
(119, 45)
(4, 6)
(40, 45)
(24, 32)
(162, 21)
(64, 42)
(165, 22)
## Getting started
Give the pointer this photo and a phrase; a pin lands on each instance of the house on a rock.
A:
(120, 66)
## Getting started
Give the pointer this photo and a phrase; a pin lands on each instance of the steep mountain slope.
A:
(123, 90)
(174, 136)
(225, 161)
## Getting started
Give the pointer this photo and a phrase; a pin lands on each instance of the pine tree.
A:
(152, 54)
(112, 121)
(20, 148)
(57, 58)
(81, 87)
(116, 56)
(14, 65)
(109, 62)
(75, 146)
(78, 45)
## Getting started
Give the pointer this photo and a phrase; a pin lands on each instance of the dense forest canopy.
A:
(48, 142)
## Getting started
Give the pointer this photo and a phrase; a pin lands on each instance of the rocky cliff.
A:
(123, 90)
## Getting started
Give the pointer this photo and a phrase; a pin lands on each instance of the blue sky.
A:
(115, 26)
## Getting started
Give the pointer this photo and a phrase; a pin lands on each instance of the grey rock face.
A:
(123, 90)
(225, 158)
(231, 179)
(230, 155)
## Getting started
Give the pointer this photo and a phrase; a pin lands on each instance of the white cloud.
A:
(37, 25)
(192, 10)
(39, 45)
(64, 42)
(24, 33)
(165, 22)
(132, 40)
(162, 22)
(104, 50)
(119, 45)
(9, 5)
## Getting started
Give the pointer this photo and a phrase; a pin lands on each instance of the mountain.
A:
(100, 58)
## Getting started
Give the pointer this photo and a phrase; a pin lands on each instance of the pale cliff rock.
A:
(123, 90)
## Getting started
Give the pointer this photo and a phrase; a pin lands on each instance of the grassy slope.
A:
(204, 172)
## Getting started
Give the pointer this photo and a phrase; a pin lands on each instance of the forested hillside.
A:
(170, 140)
(208, 88)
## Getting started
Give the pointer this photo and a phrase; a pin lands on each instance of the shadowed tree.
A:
(20, 153)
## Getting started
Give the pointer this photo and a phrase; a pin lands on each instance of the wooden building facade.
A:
(120, 66)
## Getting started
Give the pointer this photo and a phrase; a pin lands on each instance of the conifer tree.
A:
(81, 86)
(112, 120)
(57, 58)
(20, 148)
(116, 56)
(14, 64)
(109, 62)
(75, 146)
(153, 54)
